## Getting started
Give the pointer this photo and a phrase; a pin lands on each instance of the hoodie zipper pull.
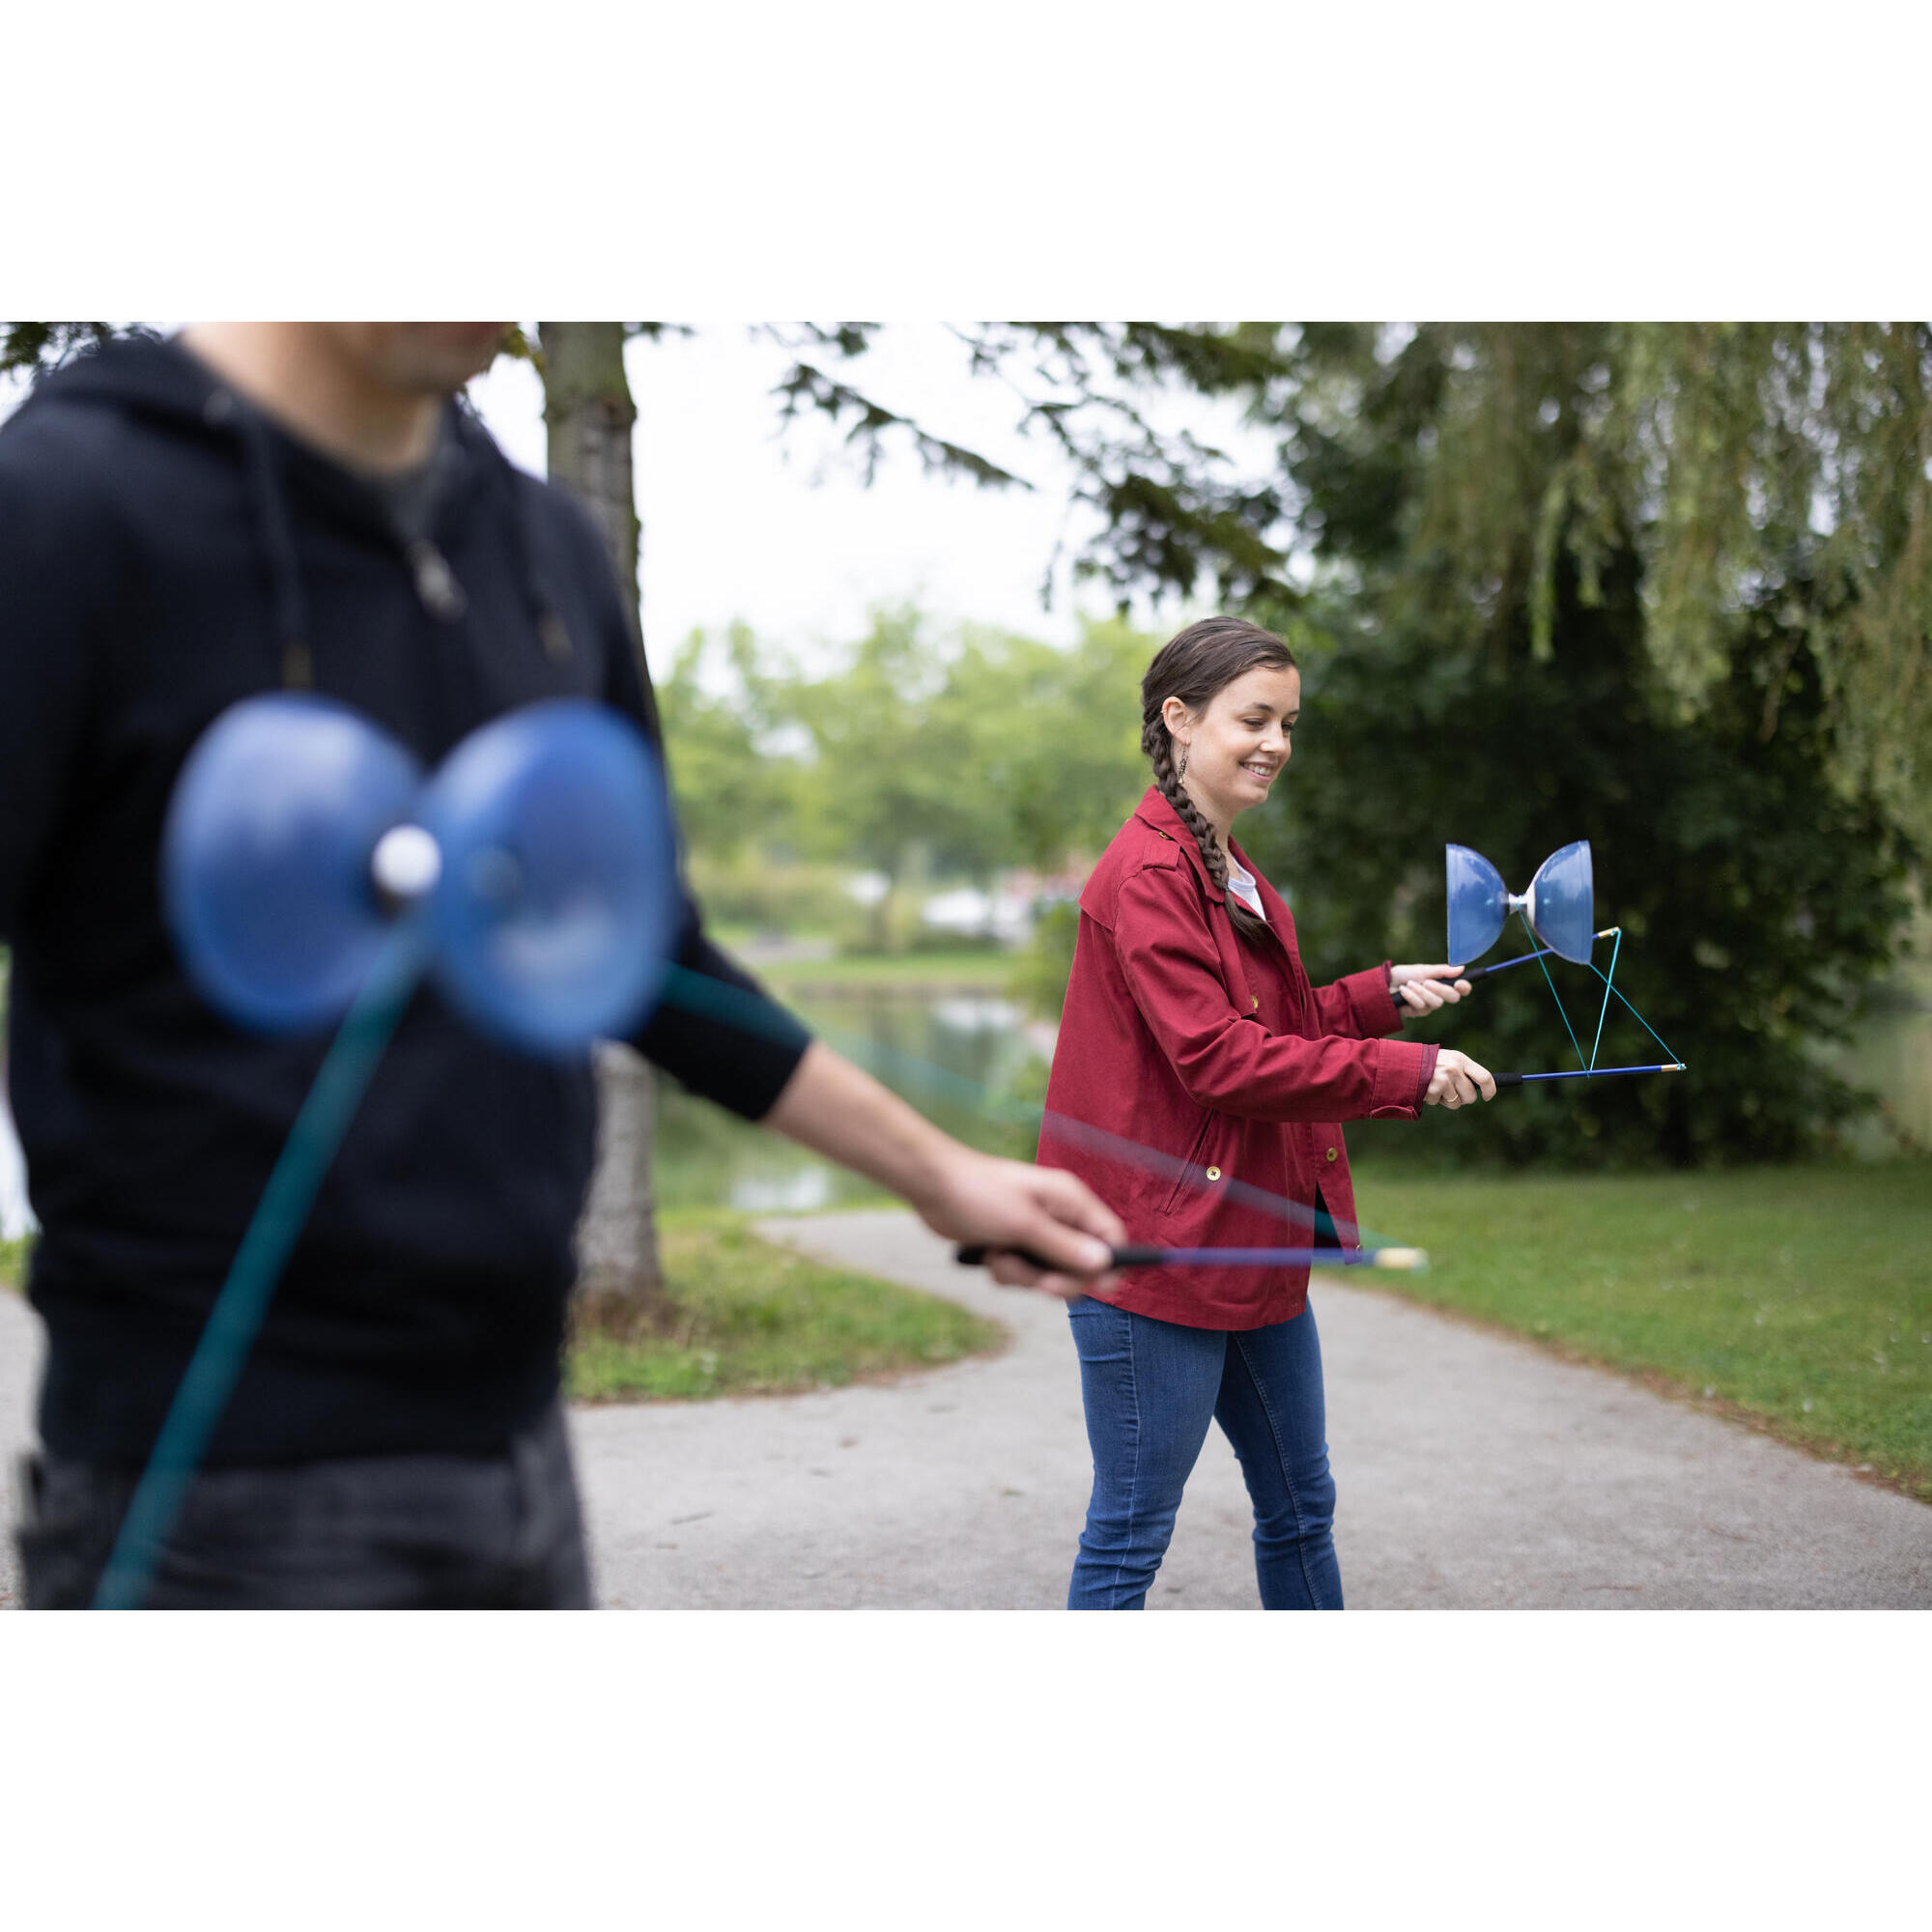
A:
(436, 583)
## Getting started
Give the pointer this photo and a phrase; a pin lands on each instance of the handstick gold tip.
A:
(1411, 1260)
(1675, 1066)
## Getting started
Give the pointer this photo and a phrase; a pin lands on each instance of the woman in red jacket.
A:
(1190, 1029)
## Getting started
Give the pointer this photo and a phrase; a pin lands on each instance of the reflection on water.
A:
(971, 1063)
(798, 1193)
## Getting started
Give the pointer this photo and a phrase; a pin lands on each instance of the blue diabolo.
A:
(265, 858)
(538, 865)
(1561, 904)
(552, 920)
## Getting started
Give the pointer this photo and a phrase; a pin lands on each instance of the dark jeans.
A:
(370, 1532)
(1150, 1389)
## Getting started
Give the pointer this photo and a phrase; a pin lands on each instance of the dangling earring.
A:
(1181, 765)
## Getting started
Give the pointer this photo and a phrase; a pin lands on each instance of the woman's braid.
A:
(1158, 744)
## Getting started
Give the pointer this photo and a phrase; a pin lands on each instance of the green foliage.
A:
(37, 347)
(1046, 963)
(917, 757)
(1794, 1296)
(1780, 466)
(1173, 512)
(720, 705)
(748, 1317)
(1755, 901)
(1494, 681)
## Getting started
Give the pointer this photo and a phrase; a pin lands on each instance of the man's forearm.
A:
(830, 1106)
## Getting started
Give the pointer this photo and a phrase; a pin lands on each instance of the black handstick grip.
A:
(1469, 973)
(979, 1253)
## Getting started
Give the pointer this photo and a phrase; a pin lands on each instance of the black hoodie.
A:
(164, 551)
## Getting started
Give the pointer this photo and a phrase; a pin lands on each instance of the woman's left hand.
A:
(1424, 988)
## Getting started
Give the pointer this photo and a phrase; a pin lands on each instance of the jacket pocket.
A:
(1191, 1166)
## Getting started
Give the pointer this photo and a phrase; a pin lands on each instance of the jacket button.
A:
(1331, 1153)
(1214, 1174)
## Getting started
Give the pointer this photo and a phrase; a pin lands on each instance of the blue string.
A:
(243, 1304)
(1589, 1066)
(1606, 1008)
(1553, 994)
(1638, 1017)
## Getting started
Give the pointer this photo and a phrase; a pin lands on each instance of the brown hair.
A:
(1192, 665)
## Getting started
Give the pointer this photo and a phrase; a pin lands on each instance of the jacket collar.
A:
(1154, 811)
(1158, 815)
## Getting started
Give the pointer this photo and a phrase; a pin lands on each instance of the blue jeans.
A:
(1150, 1389)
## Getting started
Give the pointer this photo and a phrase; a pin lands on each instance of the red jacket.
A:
(1215, 1052)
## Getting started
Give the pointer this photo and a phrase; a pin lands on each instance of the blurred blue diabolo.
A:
(539, 862)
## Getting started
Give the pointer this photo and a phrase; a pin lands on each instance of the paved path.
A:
(1475, 1472)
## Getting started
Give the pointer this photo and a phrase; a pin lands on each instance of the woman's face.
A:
(1237, 746)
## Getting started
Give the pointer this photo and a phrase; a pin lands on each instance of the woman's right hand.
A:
(1456, 1080)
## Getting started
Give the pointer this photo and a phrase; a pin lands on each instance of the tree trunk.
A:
(589, 414)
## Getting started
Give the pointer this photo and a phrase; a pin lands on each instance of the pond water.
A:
(974, 1065)
(977, 1065)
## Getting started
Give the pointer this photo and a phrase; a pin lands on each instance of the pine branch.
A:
(867, 423)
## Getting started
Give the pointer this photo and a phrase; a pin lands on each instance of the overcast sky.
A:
(742, 522)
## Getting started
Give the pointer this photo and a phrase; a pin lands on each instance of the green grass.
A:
(980, 969)
(761, 1320)
(1797, 1297)
(13, 1263)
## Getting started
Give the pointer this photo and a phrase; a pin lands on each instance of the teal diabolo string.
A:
(1603, 1010)
(240, 1309)
(1555, 995)
(1609, 988)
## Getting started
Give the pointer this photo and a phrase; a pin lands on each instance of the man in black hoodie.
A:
(183, 525)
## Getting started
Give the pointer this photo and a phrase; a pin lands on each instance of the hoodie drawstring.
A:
(436, 583)
(297, 661)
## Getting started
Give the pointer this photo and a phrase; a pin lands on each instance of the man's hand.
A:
(1458, 1080)
(1007, 1205)
(967, 1196)
(1424, 988)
